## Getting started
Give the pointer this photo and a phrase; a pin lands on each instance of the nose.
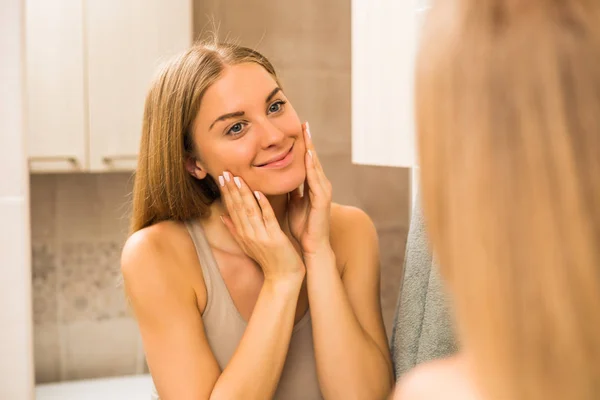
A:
(270, 135)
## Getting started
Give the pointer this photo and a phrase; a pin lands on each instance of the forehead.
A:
(240, 86)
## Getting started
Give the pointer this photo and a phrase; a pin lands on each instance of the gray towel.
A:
(423, 325)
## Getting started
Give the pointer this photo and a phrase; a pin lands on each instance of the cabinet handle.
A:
(71, 159)
(119, 157)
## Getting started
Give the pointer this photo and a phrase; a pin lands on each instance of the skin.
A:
(453, 381)
(278, 256)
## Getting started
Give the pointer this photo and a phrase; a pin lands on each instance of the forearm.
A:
(255, 368)
(349, 363)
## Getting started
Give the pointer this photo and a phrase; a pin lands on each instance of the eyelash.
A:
(281, 103)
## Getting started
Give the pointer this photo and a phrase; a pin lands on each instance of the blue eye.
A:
(276, 107)
(236, 129)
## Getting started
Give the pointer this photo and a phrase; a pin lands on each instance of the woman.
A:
(508, 114)
(242, 285)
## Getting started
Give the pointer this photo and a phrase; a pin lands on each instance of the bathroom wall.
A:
(79, 221)
(82, 325)
(16, 356)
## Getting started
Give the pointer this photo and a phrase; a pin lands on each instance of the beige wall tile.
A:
(392, 244)
(90, 206)
(307, 34)
(77, 209)
(100, 348)
(330, 16)
(383, 194)
(47, 353)
(43, 207)
(312, 50)
(89, 282)
(323, 99)
(258, 16)
(114, 205)
(205, 12)
(44, 281)
(338, 170)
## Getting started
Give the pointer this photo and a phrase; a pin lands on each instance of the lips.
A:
(276, 158)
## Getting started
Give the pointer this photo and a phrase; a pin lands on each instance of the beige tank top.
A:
(224, 327)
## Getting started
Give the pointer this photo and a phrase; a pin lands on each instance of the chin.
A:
(284, 182)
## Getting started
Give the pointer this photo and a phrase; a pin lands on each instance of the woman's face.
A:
(246, 126)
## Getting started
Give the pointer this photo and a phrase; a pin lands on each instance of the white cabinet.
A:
(384, 43)
(56, 104)
(89, 65)
(126, 41)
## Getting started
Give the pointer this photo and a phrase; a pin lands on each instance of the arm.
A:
(157, 280)
(351, 347)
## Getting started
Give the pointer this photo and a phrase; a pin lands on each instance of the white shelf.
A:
(137, 387)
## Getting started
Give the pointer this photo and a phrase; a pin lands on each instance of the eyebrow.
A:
(241, 113)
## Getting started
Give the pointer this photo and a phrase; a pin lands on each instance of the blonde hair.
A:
(163, 188)
(508, 116)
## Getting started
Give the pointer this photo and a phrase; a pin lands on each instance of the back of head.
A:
(508, 116)
(164, 189)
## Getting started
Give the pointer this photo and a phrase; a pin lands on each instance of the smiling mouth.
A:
(278, 159)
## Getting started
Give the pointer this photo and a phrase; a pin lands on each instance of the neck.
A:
(279, 204)
(220, 237)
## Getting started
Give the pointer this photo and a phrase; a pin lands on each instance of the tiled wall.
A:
(79, 222)
(82, 325)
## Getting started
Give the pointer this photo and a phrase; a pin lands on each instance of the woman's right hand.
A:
(254, 226)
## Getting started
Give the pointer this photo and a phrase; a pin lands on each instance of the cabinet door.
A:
(127, 40)
(384, 43)
(56, 102)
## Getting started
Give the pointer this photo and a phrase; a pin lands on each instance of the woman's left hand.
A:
(309, 212)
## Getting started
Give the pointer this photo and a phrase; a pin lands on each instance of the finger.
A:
(226, 196)
(312, 178)
(251, 208)
(237, 204)
(310, 146)
(322, 179)
(268, 215)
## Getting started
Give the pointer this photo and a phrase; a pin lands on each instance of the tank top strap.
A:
(215, 286)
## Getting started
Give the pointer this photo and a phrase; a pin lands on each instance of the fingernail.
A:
(237, 182)
(221, 181)
(310, 153)
(257, 195)
(222, 219)
(226, 175)
(308, 130)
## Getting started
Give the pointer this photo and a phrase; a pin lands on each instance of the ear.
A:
(195, 169)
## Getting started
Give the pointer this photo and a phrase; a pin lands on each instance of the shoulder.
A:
(353, 234)
(348, 222)
(159, 258)
(156, 241)
(448, 375)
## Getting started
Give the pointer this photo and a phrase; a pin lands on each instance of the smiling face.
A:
(246, 126)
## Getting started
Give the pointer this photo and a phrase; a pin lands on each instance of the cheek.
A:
(233, 156)
(289, 123)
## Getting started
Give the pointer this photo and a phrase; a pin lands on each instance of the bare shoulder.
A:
(439, 379)
(160, 258)
(350, 223)
(353, 233)
(160, 240)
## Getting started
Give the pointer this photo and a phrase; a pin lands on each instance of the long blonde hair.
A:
(163, 188)
(508, 116)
